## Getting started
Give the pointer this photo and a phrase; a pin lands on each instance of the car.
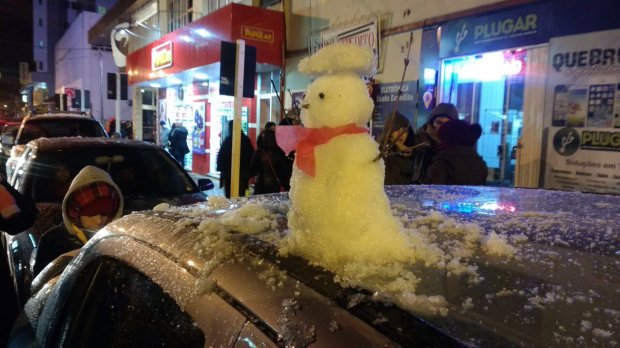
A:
(52, 125)
(7, 140)
(146, 174)
(518, 267)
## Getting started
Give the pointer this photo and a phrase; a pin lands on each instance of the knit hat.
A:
(460, 132)
(97, 198)
(444, 110)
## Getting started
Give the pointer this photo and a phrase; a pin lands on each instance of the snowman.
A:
(339, 211)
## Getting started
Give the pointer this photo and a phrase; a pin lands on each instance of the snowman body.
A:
(342, 210)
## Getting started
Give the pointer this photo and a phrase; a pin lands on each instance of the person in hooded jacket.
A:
(397, 158)
(92, 201)
(224, 162)
(178, 143)
(270, 165)
(456, 162)
(427, 139)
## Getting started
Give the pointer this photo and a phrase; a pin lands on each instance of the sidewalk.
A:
(216, 191)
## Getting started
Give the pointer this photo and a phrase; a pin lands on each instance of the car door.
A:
(109, 298)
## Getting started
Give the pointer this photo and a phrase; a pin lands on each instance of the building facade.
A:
(50, 21)
(505, 64)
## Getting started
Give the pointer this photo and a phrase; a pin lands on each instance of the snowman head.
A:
(338, 96)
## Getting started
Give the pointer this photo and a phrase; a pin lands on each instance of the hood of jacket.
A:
(88, 175)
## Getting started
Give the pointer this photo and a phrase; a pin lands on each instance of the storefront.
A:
(183, 68)
(485, 71)
(528, 76)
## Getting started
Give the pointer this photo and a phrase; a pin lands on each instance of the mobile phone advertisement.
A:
(582, 113)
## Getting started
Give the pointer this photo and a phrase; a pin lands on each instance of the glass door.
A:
(488, 89)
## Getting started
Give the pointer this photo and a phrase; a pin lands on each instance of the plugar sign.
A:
(600, 140)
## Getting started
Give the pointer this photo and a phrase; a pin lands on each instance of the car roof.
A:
(40, 118)
(67, 143)
(565, 245)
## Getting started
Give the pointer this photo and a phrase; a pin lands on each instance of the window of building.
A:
(41, 43)
(102, 10)
(40, 22)
(180, 13)
(40, 66)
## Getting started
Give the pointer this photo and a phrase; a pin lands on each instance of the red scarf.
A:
(303, 140)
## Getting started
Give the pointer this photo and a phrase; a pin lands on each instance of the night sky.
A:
(16, 44)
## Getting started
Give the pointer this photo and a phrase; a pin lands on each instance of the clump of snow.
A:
(498, 245)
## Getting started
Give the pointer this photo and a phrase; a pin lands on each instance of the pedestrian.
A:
(456, 161)
(397, 156)
(111, 129)
(92, 201)
(224, 161)
(427, 139)
(17, 214)
(270, 125)
(270, 165)
(178, 143)
(164, 134)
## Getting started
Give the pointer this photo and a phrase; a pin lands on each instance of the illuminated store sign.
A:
(161, 56)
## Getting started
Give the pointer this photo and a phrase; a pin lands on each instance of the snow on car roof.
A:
(533, 266)
(51, 144)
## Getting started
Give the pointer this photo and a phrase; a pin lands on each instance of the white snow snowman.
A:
(339, 210)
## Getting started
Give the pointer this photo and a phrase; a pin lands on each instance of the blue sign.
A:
(524, 26)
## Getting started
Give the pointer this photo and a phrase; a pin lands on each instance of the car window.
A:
(55, 128)
(136, 170)
(114, 305)
(8, 133)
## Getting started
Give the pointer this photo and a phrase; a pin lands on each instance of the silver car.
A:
(529, 268)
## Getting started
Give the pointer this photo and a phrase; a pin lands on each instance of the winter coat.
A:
(224, 161)
(398, 166)
(64, 237)
(164, 136)
(422, 156)
(178, 141)
(270, 165)
(18, 211)
(456, 165)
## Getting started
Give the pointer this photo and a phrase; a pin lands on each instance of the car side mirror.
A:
(205, 184)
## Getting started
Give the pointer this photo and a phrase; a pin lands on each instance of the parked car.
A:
(146, 174)
(7, 140)
(529, 268)
(52, 125)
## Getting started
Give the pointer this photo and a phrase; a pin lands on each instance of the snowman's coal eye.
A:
(321, 95)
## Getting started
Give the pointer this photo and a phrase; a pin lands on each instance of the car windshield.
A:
(137, 171)
(56, 128)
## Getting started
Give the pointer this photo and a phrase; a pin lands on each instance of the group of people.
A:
(270, 167)
(441, 152)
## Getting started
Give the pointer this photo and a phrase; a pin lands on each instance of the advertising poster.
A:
(385, 102)
(582, 113)
(198, 131)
